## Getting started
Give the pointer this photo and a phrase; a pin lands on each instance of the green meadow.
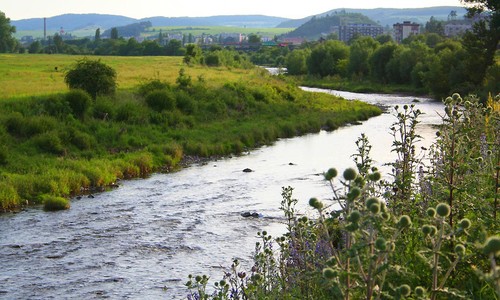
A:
(158, 117)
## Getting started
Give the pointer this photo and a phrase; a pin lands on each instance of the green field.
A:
(36, 74)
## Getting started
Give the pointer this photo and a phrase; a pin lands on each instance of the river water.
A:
(142, 240)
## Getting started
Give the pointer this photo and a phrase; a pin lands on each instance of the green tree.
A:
(296, 61)
(97, 36)
(482, 43)
(7, 42)
(114, 33)
(379, 60)
(35, 47)
(92, 76)
(58, 43)
(328, 58)
(253, 39)
(362, 49)
(434, 26)
(193, 54)
(174, 48)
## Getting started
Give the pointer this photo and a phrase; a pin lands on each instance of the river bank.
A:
(51, 151)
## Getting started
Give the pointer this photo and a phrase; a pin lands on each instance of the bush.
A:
(52, 203)
(79, 101)
(49, 142)
(92, 76)
(161, 100)
(152, 85)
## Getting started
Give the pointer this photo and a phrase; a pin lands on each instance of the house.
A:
(348, 32)
(404, 30)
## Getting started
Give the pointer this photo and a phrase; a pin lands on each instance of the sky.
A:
(293, 9)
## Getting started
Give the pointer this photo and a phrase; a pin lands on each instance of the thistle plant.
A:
(405, 167)
(439, 235)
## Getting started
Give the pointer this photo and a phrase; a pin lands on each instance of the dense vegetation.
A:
(428, 230)
(66, 143)
(424, 63)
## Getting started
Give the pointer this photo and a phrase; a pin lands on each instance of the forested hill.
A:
(390, 16)
(71, 22)
(318, 26)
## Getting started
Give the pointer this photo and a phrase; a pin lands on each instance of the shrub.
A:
(79, 101)
(161, 100)
(185, 103)
(104, 109)
(9, 198)
(52, 203)
(49, 142)
(152, 85)
(92, 76)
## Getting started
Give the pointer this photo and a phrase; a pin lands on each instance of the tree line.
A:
(426, 62)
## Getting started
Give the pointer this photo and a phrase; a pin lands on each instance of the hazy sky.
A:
(24, 9)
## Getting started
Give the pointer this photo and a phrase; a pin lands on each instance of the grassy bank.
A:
(49, 148)
(337, 83)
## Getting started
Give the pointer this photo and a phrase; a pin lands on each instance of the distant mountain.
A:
(390, 16)
(72, 22)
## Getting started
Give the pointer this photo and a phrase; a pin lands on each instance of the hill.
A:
(389, 16)
(78, 22)
(318, 26)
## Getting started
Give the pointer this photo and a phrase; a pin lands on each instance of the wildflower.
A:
(443, 209)
(349, 174)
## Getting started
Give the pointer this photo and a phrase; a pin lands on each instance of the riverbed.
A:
(141, 241)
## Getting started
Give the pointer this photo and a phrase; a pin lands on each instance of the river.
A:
(141, 241)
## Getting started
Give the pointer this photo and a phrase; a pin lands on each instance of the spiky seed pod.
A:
(431, 212)
(420, 291)
(426, 230)
(315, 203)
(351, 227)
(353, 193)
(404, 221)
(381, 244)
(443, 209)
(329, 273)
(492, 246)
(465, 223)
(385, 215)
(198, 278)
(330, 174)
(448, 100)
(370, 201)
(376, 176)
(460, 249)
(404, 290)
(349, 174)
(354, 217)
(375, 208)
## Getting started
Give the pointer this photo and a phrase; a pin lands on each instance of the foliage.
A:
(7, 41)
(51, 203)
(79, 101)
(328, 58)
(92, 76)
